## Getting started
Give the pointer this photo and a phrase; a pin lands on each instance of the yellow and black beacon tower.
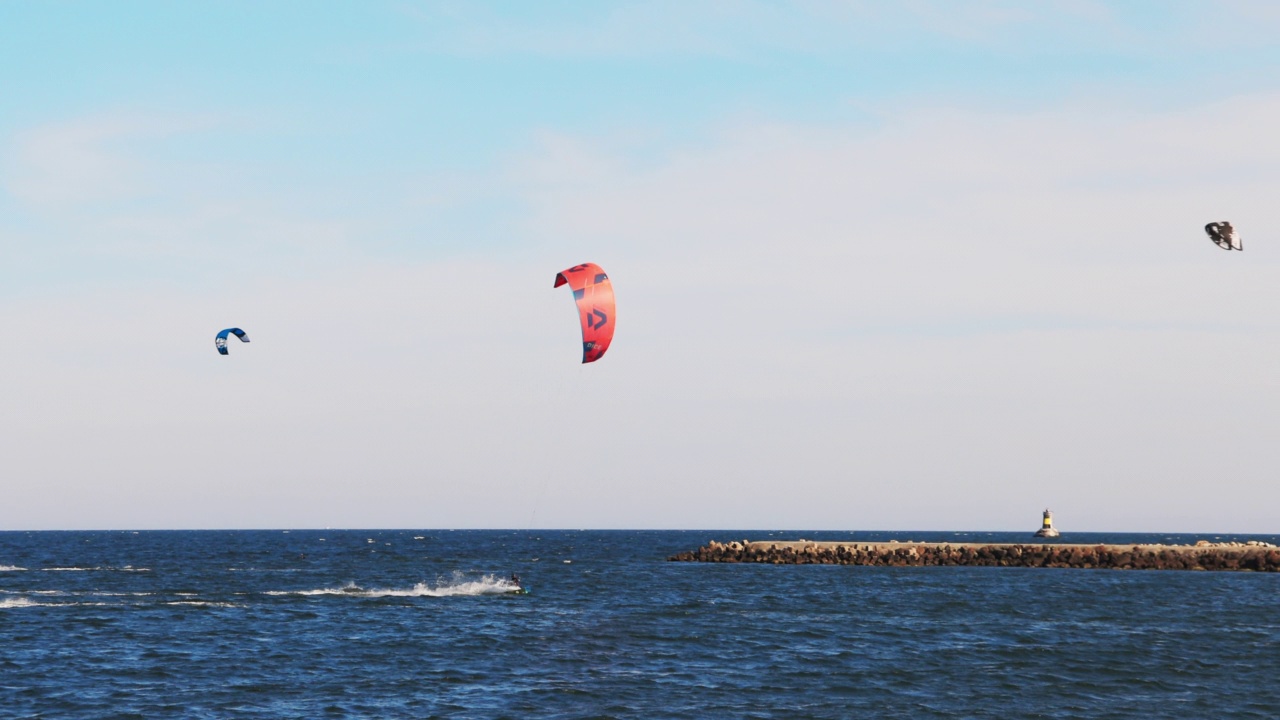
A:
(1046, 527)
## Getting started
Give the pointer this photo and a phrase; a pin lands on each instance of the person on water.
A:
(515, 580)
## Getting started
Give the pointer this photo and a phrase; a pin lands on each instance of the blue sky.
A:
(938, 264)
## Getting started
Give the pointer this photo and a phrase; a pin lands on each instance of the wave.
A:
(11, 568)
(93, 593)
(76, 568)
(22, 602)
(25, 600)
(457, 586)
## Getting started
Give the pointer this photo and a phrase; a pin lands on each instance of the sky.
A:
(907, 266)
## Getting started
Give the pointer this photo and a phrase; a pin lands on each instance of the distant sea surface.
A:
(418, 624)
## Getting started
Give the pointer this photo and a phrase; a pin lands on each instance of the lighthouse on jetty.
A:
(1046, 527)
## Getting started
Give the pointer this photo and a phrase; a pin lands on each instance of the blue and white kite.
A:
(221, 340)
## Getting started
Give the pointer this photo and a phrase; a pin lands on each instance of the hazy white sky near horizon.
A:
(926, 265)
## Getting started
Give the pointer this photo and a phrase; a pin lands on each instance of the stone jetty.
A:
(1253, 555)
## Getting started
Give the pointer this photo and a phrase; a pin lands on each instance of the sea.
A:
(423, 624)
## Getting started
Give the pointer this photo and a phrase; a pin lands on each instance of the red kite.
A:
(594, 295)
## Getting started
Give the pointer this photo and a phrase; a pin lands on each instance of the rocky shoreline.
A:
(1252, 556)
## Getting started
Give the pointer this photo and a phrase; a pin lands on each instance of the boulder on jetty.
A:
(1251, 556)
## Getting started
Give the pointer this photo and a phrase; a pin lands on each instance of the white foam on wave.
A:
(75, 593)
(76, 568)
(40, 598)
(457, 586)
(21, 602)
(11, 568)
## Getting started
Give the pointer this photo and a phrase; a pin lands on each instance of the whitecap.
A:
(458, 586)
(27, 602)
(11, 568)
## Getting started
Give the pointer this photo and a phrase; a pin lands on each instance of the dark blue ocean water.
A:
(415, 624)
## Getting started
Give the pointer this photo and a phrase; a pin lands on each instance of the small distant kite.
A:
(594, 295)
(1223, 235)
(221, 340)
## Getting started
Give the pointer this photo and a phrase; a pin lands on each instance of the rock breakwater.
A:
(1253, 556)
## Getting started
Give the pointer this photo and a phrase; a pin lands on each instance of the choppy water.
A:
(417, 624)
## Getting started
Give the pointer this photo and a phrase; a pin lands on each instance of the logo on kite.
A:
(594, 295)
(221, 340)
(1223, 235)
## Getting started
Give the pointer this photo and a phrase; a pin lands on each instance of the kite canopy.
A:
(221, 340)
(594, 295)
(1223, 235)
